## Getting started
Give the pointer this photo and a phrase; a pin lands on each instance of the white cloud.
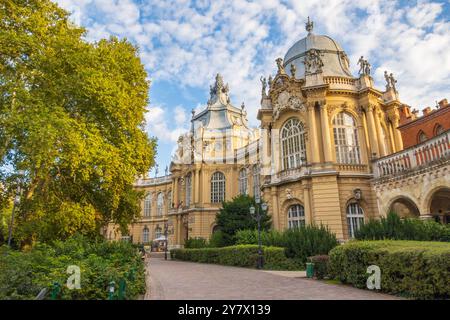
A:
(187, 43)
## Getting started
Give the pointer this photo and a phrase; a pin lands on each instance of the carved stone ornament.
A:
(285, 102)
(289, 195)
(313, 62)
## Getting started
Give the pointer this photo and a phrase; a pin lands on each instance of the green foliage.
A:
(72, 116)
(392, 227)
(321, 265)
(218, 239)
(196, 243)
(300, 243)
(240, 255)
(24, 273)
(235, 215)
(408, 268)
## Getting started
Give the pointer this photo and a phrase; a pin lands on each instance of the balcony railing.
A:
(424, 154)
(152, 181)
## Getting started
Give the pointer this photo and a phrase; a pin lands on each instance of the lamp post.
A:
(16, 202)
(258, 217)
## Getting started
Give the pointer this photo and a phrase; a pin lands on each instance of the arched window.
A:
(145, 235)
(243, 181)
(147, 205)
(256, 182)
(355, 218)
(158, 232)
(346, 139)
(438, 130)
(293, 147)
(296, 216)
(169, 198)
(188, 189)
(160, 203)
(421, 137)
(217, 187)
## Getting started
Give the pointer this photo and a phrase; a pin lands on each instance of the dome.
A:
(334, 59)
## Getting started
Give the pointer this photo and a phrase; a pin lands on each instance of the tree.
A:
(235, 216)
(72, 117)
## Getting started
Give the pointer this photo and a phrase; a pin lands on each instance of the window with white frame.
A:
(256, 182)
(217, 187)
(243, 181)
(145, 235)
(188, 181)
(147, 205)
(158, 232)
(160, 203)
(346, 139)
(355, 218)
(293, 147)
(296, 216)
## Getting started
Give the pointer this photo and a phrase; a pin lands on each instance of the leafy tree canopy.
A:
(235, 215)
(72, 117)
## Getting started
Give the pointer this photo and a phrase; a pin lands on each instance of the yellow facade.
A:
(321, 130)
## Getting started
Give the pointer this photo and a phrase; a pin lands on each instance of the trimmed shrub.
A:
(23, 274)
(408, 268)
(321, 265)
(196, 243)
(239, 255)
(218, 239)
(300, 243)
(395, 228)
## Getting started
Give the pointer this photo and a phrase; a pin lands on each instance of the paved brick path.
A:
(176, 280)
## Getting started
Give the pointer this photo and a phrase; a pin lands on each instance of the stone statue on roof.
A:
(280, 66)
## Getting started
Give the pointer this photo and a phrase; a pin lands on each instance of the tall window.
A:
(256, 183)
(145, 235)
(160, 203)
(169, 198)
(355, 218)
(293, 146)
(422, 137)
(296, 216)
(147, 205)
(346, 139)
(158, 232)
(188, 189)
(243, 181)
(217, 187)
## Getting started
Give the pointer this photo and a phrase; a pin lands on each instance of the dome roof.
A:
(334, 59)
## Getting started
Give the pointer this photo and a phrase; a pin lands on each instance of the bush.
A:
(196, 243)
(408, 268)
(300, 243)
(240, 256)
(321, 265)
(395, 228)
(23, 274)
(218, 239)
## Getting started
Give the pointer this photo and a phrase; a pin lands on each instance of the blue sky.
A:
(183, 44)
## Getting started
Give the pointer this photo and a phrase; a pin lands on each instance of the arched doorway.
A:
(405, 208)
(440, 205)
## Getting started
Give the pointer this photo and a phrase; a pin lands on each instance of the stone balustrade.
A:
(153, 181)
(424, 154)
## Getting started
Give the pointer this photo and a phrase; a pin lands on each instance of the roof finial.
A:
(309, 26)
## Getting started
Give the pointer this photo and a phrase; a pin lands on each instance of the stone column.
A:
(196, 188)
(381, 142)
(175, 192)
(326, 140)
(307, 203)
(397, 134)
(313, 133)
(372, 131)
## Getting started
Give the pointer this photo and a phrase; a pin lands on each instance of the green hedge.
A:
(23, 274)
(395, 228)
(240, 255)
(300, 243)
(408, 268)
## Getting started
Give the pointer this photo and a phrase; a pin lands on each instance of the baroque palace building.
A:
(328, 150)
